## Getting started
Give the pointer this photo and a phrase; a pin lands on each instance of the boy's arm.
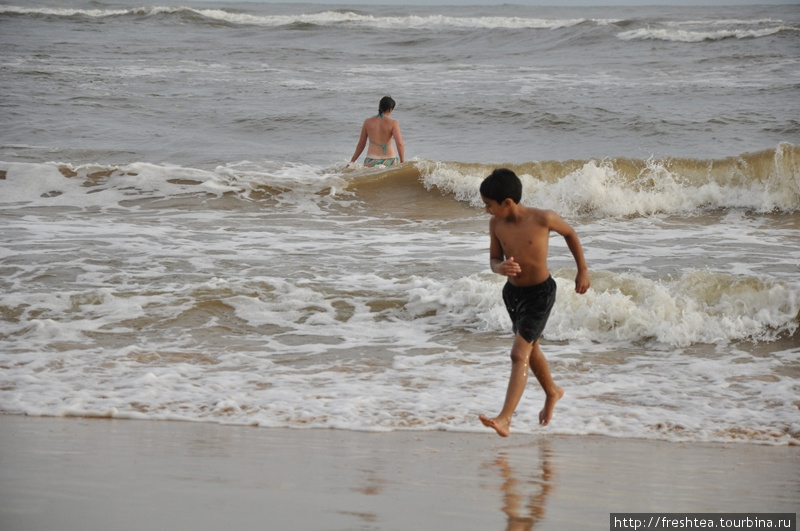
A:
(582, 281)
(497, 261)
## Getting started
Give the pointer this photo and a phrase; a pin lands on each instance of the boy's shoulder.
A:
(537, 215)
(533, 210)
(525, 215)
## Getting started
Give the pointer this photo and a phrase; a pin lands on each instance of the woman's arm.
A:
(362, 142)
(398, 141)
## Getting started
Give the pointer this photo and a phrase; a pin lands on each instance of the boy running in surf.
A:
(518, 250)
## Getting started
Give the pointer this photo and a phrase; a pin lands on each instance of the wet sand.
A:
(96, 474)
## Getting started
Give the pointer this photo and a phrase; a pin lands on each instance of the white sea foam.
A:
(97, 185)
(599, 189)
(681, 35)
(372, 351)
(411, 21)
(323, 18)
(62, 12)
(742, 28)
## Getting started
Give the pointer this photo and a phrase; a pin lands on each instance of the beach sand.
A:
(113, 475)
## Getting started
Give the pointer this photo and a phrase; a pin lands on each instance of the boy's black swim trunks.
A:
(529, 307)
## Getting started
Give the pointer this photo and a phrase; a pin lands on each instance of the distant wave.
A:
(137, 11)
(60, 12)
(680, 35)
(679, 31)
(707, 30)
(726, 22)
(323, 18)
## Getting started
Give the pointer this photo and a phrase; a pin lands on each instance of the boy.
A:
(518, 250)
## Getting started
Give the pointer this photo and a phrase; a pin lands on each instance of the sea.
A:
(184, 240)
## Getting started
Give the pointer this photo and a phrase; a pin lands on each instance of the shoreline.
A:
(101, 474)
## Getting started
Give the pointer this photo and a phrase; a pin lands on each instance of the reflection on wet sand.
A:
(524, 499)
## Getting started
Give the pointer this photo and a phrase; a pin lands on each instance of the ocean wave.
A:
(303, 380)
(63, 12)
(699, 307)
(765, 181)
(93, 13)
(688, 36)
(120, 185)
(727, 22)
(321, 19)
(762, 182)
(218, 15)
(671, 30)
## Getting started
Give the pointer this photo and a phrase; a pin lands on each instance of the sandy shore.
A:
(65, 474)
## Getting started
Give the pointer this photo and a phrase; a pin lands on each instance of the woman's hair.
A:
(502, 184)
(386, 104)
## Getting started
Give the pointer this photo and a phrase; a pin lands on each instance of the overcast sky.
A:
(592, 3)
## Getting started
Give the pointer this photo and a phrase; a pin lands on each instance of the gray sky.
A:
(588, 3)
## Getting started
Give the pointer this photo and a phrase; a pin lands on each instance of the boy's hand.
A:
(510, 268)
(582, 281)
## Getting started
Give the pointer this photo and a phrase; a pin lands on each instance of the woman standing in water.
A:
(380, 130)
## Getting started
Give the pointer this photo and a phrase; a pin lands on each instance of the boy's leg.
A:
(520, 361)
(553, 392)
(524, 355)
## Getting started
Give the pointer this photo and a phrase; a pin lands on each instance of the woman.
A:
(380, 130)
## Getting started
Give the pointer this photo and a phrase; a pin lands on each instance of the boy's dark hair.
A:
(502, 184)
(386, 104)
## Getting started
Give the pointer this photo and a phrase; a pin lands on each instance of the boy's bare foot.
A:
(549, 404)
(501, 426)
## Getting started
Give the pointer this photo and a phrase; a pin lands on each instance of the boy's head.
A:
(502, 184)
